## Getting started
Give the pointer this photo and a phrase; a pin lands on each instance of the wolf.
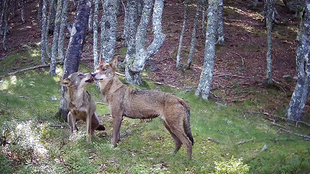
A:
(80, 104)
(143, 104)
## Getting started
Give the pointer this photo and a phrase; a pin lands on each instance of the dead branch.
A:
(296, 134)
(242, 59)
(214, 140)
(280, 118)
(243, 142)
(28, 69)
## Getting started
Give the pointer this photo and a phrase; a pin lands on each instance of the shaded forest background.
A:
(241, 61)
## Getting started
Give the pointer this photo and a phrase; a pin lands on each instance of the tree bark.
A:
(301, 92)
(220, 25)
(131, 30)
(43, 33)
(204, 86)
(193, 40)
(203, 19)
(75, 49)
(269, 10)
(61, 54)
(55, 38)
(22, 16)
(95, 31)
(178, 62)
(159, 38)
(108, 30)
(4, 20)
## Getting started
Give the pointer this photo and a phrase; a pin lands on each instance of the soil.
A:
(241, 61)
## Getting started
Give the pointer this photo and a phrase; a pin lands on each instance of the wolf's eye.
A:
(80, 75)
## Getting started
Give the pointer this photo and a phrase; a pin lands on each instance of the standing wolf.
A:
(143, 104)
(80, 104)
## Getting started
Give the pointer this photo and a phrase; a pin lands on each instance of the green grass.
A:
(40, 143)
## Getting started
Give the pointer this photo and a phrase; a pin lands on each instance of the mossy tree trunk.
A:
(300, 94)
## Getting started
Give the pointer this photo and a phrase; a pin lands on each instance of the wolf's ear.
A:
(65, 82)
(114, 63)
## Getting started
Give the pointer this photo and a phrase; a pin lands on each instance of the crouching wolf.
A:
(143, 104)
(80, 104)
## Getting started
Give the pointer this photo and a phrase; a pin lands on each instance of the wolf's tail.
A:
(187, 125)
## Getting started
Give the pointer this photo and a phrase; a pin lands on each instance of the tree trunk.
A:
(269, 10)
(178, 62)
(204, 86)
(300, 94)
(55, 38)
(203, 20)
(131, 30)
(90, 18)
(43, 33)
(220, 28)
(61, 54)
(75, 49)
(193, 41)
(22, 16)
(108, 30)
(4, 20)
(152, 49)
(95, 31)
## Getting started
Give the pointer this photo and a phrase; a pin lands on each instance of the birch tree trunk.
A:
(90, 18)
(178, 62)
(108, 30)
(204, 86)
(43, 32)
(61, 54)
(269, 10)
(55, 38)
(159, 38)
(193, 40)
(95, 31)
(75, 49)
(300, 94)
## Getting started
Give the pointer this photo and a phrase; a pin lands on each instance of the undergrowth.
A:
(226, 137)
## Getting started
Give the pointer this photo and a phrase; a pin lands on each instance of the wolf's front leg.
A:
(71, 120)
(117, 120)
(88, 128)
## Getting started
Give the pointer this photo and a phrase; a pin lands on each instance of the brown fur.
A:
(143, 104)
(80, 104)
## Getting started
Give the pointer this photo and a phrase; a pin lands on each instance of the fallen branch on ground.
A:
(27, 69)
(296, 134)
(243, 142)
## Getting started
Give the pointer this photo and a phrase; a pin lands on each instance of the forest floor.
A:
(239, 64)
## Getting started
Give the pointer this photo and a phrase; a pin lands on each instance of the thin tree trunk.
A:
(220, 28)
(95, 31)
(193, 40)
(43, 33)
(203, 20)
(108, 30)
(50, 24)
(178, 62)
(301, 92)
(39, 17)
(4, 18)
(204, 86)
(22, 16)
(90, 20)
(55, 38)
(269, 8)
(75, 49)
(61, 54)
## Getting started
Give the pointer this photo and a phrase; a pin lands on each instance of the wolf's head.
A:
(105, 70)
(77, 80)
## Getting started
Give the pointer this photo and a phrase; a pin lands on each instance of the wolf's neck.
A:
(111, 86)
(75, 96)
